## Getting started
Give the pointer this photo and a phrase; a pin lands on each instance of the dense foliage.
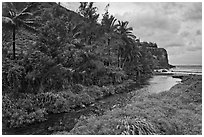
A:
(69, 60)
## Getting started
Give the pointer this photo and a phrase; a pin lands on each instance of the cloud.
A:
(193, 58)
(175, 51)
(184, 34)
(198, 32)
(175, 26)
(70, 5)
(150, 19)
(194, 12)
(175, 45)
(194, 49)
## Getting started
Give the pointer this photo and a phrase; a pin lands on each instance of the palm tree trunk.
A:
(14, 42)
(118, 58)
(109, 51)
(124, 62)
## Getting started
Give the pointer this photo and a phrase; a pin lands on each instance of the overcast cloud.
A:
(177, 27)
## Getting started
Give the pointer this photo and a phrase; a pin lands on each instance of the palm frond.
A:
(130, 28)
(24, 15)
(25, 12)
(28, 8)
(132, 36)
(28, 26)
(11, 6)
(76, 28)
(7, 21)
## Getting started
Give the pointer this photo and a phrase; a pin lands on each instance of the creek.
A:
(66, 121)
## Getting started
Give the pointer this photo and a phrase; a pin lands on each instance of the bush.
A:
(77, 88)
(86, 99)
(13, 76)
(30, 108)
(16, 113)
(112, 124)
(94, 92)
(108, 90)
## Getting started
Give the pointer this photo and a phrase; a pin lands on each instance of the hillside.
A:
(57, 61)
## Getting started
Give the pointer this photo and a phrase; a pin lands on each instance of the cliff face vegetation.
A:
(54, 59)
(161, 57)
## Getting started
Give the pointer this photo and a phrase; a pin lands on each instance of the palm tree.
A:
(109, 28)
(126, 35)
(124, 30)
(108, 23)
(88, 11)
(13, 19)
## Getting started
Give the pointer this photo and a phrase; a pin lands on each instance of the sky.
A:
(177, 27)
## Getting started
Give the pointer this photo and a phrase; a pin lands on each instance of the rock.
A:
(164, 70)
(178, 76)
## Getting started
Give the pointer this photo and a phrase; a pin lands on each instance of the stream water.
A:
(66, 121)
(161, 83)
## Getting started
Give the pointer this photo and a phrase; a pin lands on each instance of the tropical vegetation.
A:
(55, 60)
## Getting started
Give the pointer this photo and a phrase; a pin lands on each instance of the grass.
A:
(174, 112)
(111, 124)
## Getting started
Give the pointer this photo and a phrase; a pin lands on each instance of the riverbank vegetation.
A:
(174, 112)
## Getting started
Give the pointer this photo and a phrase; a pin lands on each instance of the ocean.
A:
(187, 69)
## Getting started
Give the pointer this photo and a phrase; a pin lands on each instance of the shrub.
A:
(77, 88)
(16, 113)
(108, 90)
(31, 108)
(86, 99)
(110, 124)
(13, 76)
(136, 127)
(95, 92)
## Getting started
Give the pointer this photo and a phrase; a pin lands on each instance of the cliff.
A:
(160, 58)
